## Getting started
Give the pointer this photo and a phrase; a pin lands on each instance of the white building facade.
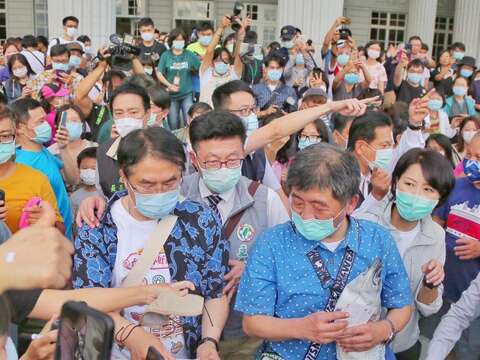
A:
(438, 22)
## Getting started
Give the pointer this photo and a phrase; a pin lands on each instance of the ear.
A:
(352, 204)
(193, 159)
(122, 176)
(359, 144)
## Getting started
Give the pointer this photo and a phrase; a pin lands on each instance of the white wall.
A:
(19, 17)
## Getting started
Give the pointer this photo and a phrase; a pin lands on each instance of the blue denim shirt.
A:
(196, 246)
(282, 92)
(279, 280)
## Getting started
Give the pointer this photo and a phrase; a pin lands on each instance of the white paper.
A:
(359, 314)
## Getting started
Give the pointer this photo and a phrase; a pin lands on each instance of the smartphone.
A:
(84, 333)
(153, 354)
(63, 120)
(2, 195)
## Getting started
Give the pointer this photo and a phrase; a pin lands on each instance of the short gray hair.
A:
(325, 166)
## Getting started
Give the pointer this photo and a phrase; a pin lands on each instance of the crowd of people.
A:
(321, 209)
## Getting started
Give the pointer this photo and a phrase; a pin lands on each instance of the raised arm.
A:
(207, 61)
(237, 62)
(329, 35)
(81, 95)
(400, 70)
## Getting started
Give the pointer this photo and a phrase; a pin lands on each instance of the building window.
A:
(3, 20)
(443, 36)
(128, 13)
(41, 17)
(191, 14)
(264, 21)
(387, 27)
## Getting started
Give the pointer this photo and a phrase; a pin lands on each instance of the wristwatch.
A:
(415, 127)
(205, 339)
(393, 332)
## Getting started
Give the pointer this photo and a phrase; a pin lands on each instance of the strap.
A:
(112, 151)
(325, 278)
(232, 223)
(36, 58)
(153, 246)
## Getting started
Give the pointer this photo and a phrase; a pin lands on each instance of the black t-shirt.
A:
(22, 303)
(97, 117)
(444, 85)
(154, 51)
(406, 92)
(252, 73)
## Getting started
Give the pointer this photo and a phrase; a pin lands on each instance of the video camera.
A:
(120, 51)
(236, 19)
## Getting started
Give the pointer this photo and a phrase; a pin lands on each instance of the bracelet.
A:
(212, 340)
(120, 338)
(393, 331)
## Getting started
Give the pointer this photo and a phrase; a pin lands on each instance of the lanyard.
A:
(336, 287)
(100, 115)
(253, 73)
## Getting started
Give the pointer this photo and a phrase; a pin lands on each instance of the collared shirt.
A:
(280, 94)
(201, 256)
(279, 280)
(276, 212)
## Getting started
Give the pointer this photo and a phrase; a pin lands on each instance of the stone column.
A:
(467, 26)
(421, 20)
(313, 17)
(97, 18)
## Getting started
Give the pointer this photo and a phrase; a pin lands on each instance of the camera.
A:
(236, 19)
(344, 33)
(120, 52)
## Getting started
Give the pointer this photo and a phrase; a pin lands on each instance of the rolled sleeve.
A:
(257, 293)
(429, 309)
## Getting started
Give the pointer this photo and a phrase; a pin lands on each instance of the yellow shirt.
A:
(197, 48)
(22, 185)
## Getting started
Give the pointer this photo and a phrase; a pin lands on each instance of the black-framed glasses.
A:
(7, 139)
(311, 138)
(217, 164)
(243, 112)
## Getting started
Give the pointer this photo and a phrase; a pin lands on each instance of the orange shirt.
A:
(22, 185)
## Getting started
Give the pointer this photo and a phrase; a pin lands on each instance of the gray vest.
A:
(252, 223)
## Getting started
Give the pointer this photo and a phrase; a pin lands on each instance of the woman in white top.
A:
(70, 140)
(421, 180)
(375, 68)
(216, 68)
(437, 120)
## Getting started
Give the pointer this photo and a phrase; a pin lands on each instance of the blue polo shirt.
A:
(279, 279)
(50, 166)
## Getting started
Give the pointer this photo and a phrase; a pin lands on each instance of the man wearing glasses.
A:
(245, 208)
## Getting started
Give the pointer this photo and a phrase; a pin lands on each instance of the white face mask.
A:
(126, 125)
(468, 136)
(88, 176)
(373, 54)
(147, 36)
(72, 31)
(20, 72)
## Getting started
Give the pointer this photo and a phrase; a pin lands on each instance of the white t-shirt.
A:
(209, 81)
(332, 246)
(407, 238)
(132, 235)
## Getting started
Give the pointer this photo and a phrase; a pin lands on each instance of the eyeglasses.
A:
(217, 164)
(155, 189)
(7, 139)
(310, 137)
(243, 112)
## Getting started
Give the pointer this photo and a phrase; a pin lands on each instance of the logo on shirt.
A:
(159, 263)
(246, 232)
(242, 253)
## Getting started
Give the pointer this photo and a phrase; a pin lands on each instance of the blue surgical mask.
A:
(412, 207)
(466, 73)
(435, 104)
(304, 142)
(313, 229)
(230, 48)
(258, 57)
(458, 55)
(288, 44)
(74, 129)
(43, 133)
(414, 78)
(59, 66)
(352, 78)
(221, 68)
(6, 151)
(343, 59)
(222, 180)
(178, 44)
(205, 40)
(152, 120)
(250, 122)
(299, 59)
(156, 206)
(275, 74)
(383, 158)
(459, 91)
(75, 61)
(471, 168)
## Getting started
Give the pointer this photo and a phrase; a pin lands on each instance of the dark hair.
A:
(414, 37)
(276, 58)
(460, 141)
(83, 39)
(204, 26)
(340, 121)
(9, 43)
(42, 40)
(289, 149)
(200, 106)
(321, 128)
(21, 107)
(375, 42)
(29, 41)
(445, 143)
(87, 153)
(58, 50)
(140, 80)
(228, 38)
(154, 141)
(436, 169)
(159, 96)
(174, 34)
(218, 52)
(440, 55)
(458, 45)
(156, 31)
(21, 59)
(69, 18)
(133, 90)
(216, 124)
(5, 316)
(425, 46)
(363, 127)
(251, 37)
(61, 109)
(146, 21)
(325, 166)
(415, 63)
(222, 94)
